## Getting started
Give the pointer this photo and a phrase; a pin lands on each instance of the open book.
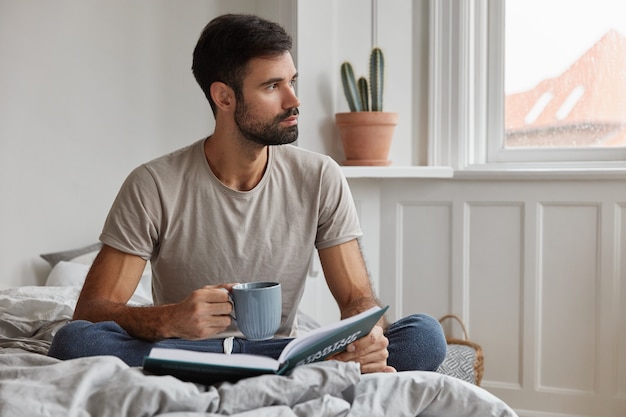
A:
(210, 368)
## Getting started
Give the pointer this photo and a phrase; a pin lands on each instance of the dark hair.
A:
(226, 45)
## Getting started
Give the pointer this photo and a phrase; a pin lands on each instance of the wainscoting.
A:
(533, 267)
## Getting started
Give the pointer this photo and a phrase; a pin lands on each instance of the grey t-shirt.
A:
(196, 231)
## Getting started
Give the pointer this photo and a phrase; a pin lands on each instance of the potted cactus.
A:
(366, 131)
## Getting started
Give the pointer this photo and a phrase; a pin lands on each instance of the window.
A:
(559, 97)
(565, 73)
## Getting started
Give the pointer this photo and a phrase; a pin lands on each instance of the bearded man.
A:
(239, 205)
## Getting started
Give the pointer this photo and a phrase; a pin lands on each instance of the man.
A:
(240, 205)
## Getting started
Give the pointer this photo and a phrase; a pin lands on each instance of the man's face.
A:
(267, 114)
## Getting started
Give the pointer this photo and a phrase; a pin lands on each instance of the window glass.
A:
(565, 74)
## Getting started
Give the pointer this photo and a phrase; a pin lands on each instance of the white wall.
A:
(88, 90)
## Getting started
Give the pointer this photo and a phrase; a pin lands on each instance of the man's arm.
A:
(113, 278)
(349, 282)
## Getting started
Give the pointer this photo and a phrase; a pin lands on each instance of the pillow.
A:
(69, 274)
(54, 258)
(143, 292)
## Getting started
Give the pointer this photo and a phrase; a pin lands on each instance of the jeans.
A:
(416, 343)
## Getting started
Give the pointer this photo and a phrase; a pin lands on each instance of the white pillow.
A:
(143, 292)
(68, 274)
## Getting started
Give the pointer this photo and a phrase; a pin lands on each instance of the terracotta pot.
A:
(366, 136)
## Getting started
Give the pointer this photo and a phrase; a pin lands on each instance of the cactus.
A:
(364, 93)
(349, 87)
(377, 68)
(358, 94)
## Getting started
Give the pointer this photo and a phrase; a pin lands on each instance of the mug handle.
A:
(232, 302)
(232, 315)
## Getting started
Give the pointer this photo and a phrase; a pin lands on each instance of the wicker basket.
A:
(465, 359)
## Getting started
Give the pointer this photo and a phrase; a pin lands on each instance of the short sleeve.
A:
(338, 220)
(131, 225)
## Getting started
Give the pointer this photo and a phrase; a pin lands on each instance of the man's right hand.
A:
(204, 313)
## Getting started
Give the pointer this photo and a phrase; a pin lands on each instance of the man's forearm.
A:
(144, 322)
(348, 279)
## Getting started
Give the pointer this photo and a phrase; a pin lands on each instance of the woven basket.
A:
(465, 359)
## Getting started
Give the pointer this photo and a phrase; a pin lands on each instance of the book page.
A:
(303, 342)
(239, 360)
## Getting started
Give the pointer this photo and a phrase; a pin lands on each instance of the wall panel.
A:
(425, 262)
(569, 280)
(619, 295)
(495, 295)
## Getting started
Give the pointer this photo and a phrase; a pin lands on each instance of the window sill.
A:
(398, 172)
(589, 171)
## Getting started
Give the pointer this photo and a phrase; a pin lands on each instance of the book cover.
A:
(210, 368)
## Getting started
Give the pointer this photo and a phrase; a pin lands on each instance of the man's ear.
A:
(223, 96)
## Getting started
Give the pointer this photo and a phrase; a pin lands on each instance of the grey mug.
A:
(257, 308)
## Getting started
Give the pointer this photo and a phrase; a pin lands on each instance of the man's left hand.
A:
(369, 351)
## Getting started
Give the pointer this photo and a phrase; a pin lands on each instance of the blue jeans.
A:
(416, 343)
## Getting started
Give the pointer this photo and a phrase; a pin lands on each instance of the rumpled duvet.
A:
(33, 384)
(36, 385)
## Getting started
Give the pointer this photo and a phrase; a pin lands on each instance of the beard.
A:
(262, 132)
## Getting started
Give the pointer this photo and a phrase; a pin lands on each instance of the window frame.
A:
(466, 96)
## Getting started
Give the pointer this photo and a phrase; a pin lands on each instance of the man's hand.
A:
(369, 351)
(204, 313)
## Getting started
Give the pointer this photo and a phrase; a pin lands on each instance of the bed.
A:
(34, 384)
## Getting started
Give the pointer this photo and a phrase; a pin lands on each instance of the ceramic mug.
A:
(257, 308)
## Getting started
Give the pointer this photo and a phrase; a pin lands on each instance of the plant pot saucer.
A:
(366, 162)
